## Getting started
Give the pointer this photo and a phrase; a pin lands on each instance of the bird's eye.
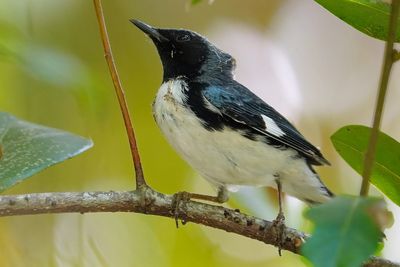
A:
(183, 38)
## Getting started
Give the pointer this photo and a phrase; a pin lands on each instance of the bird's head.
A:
(188, 54)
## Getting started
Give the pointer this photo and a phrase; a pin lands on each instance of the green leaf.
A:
(369, 17)
(345, 232)
(28, 148)
(351, 143)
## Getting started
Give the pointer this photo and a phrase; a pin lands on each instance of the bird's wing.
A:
(240, 104)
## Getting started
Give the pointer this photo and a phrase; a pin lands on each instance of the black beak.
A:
(150, 31)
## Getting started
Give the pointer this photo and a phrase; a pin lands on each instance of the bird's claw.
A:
(178, 199)
(279, 226)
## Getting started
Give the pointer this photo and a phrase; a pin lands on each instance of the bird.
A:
(228, 134)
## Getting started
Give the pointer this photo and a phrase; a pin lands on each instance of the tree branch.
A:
(148, 201)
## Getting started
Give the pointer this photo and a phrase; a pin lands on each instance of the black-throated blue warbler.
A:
(223, 130)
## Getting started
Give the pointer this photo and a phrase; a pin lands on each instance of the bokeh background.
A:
(318, 71)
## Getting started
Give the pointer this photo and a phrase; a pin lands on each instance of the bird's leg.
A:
(183, 197)
(222, 196)
(279, 222)
(281, 216)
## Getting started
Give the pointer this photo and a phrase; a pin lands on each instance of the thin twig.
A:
(388, 61)
(140, 181)
(160, 205)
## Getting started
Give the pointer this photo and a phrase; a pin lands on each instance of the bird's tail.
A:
(324, 193)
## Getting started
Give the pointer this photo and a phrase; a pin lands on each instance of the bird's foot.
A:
(183, 197)
(179, 199)
(279, 227)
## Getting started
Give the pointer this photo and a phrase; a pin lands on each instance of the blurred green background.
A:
(318, 71)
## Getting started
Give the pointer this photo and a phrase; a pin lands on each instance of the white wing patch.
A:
(271, 127)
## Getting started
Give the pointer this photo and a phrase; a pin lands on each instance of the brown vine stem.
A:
(140, 180)
(389, 59)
